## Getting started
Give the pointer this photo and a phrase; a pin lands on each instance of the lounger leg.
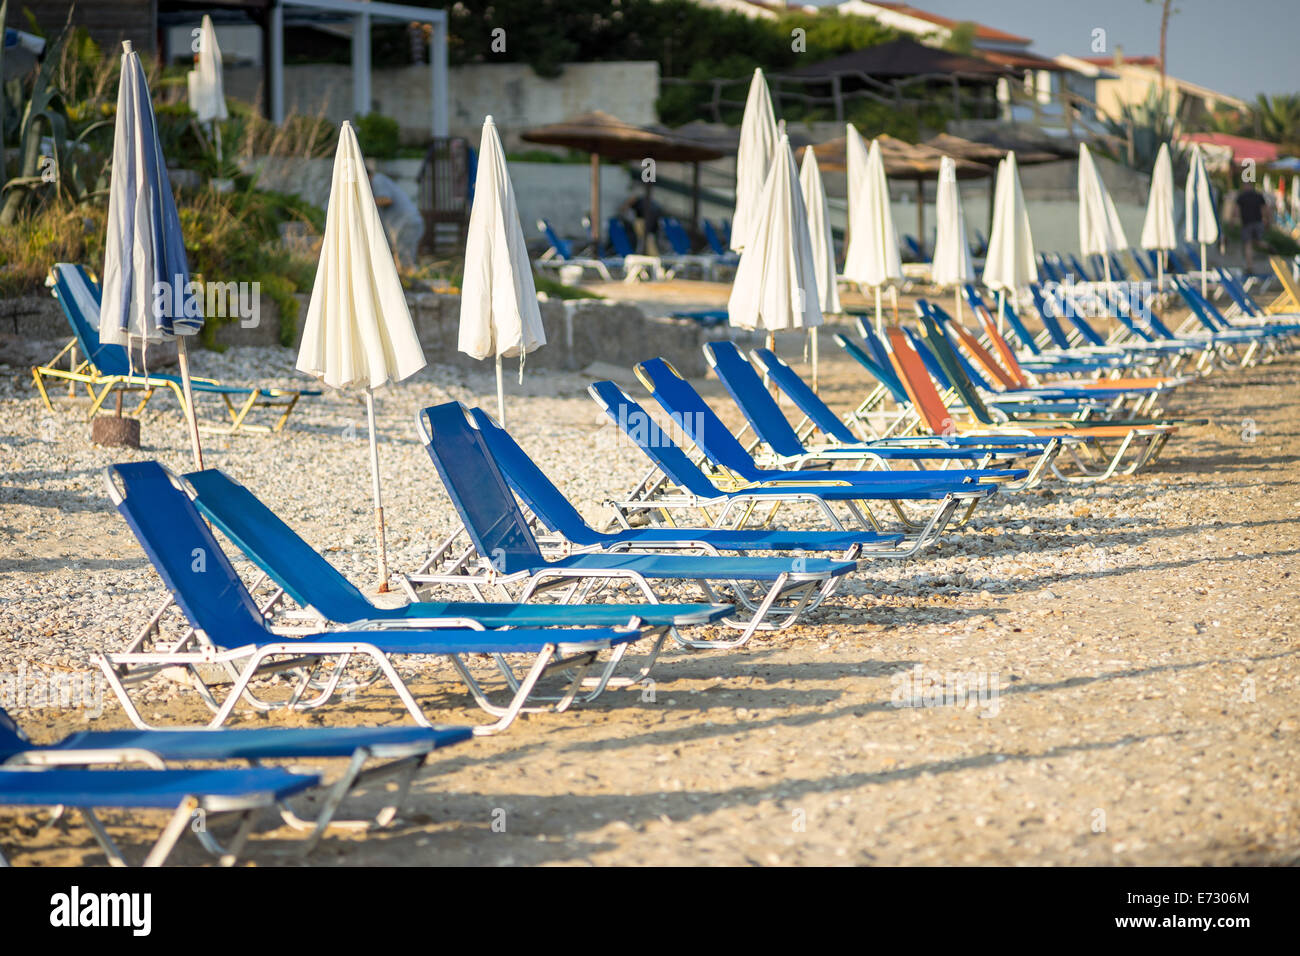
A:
(526, 686)
(40, 387)
(287, 409)
(115, 857)
(98, 399)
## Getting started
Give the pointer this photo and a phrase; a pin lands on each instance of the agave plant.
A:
(34, 112)
(1144, 127)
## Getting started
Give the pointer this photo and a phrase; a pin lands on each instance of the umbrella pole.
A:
(812, 344)
(380, 543)
(501, 394)
(920, 217)
(1160, 271)
(1203, 293)
(956, 301)
(769, 342)
(190, 419)
(1001, 299)
(595, 211)
(893, 295)
(880, 317)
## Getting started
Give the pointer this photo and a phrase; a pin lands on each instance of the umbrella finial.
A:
(128, 46)
(488, 121)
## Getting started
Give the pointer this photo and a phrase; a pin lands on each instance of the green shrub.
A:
(379, 136)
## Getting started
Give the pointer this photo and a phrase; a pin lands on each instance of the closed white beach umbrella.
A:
(819, 230)
(855, 164)
(206, 84)
(757, 140)
(873, 258)
(1295, 197)
(358, 330)
(1009, 263)
(951, 265)
(148, 295)
(1158, 230)
(1100, 231)
(1200, 221)
(776, 281)
(499, 316)
(823, 245)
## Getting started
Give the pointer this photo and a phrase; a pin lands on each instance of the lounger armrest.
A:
(409, 623)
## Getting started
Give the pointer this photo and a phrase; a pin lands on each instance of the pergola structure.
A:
(362, 14)
(353, 16)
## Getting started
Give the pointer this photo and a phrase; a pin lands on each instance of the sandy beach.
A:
(1116, 666)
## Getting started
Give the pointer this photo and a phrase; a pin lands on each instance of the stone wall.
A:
(512, 93)
(578, 333)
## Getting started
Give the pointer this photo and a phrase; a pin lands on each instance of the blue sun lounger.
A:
(402, 751)
(230, 632)
(765, 417)
(825, 420)
(548, 504)
(677, 483)
(242, 793)
(560, 253)
(315, 584)
(683, 403)
(508, 552)
(1214, 321)
(107, 368)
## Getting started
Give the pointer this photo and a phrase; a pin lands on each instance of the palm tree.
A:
(1277, 118)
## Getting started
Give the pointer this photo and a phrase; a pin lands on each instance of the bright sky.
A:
(1240, 47)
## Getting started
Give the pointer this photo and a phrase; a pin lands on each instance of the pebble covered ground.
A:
(1121, 659)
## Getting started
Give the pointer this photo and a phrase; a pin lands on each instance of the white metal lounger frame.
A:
(476, 572)
(657, 495)
(401, 760)
(244, 664)
(245, 809)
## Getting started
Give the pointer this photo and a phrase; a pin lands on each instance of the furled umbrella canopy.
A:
(776, 280)
(499, 316)
(147, 292)
(819, 232)
(952, 261)
(1158, 230)
(1009, 264)
(873, 258)
(1100, 231)
(853, 157)
(206, 84)
(358, 329)
(758, 137)
(1200, 221)
(823, 246)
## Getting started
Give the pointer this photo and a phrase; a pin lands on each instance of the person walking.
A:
(1254, 215)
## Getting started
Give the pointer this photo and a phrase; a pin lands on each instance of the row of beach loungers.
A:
(766, 524)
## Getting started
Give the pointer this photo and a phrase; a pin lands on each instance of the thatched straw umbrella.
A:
(603, 135)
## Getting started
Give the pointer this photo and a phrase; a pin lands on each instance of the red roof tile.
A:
(982, 32)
